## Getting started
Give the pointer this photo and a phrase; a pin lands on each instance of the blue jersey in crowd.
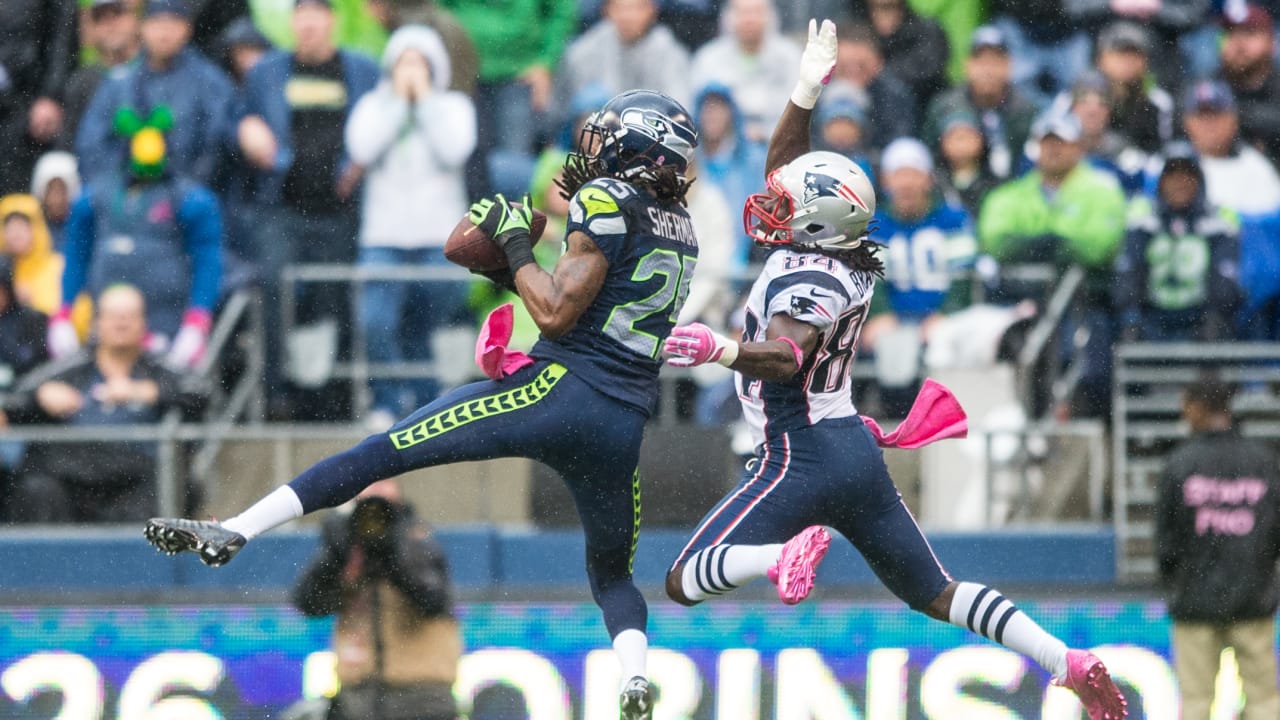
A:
(923, 257)
(651, 249)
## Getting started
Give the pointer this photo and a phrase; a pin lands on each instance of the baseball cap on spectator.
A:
(1062, 125)
(1208, 96)
(988, 37)
(105, 3)
(841, 107)
(958, 118)
(906, 152)
(1091, 82)
(1123, 36)
(322, 3)
(177, 8)
(1249, 17)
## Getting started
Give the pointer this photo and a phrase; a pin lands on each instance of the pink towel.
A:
(492, 355)
(935, 415)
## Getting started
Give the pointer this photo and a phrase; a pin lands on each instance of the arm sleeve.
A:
(201, 224)
(449, 122)
(374, 125)
(77, 247)
(998, 222)
(422, 573)
(596, 209)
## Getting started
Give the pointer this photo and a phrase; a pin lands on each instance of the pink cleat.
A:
(1088, 678)
(798, 564)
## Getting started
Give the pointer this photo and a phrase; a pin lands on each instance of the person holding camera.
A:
(397, 643)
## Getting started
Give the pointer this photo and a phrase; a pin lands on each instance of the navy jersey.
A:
(651, 249)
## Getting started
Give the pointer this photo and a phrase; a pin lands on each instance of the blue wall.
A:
(490, 558)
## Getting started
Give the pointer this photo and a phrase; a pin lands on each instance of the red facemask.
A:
(767, 215)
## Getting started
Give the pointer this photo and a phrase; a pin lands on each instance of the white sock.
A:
(277, 508)
(720, 568)
(982, 610)
(632, 648)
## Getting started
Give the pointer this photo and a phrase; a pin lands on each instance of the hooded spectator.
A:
(729, 160)
(55, 182)
(37, 268)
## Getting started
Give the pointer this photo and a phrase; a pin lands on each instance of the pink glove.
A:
(696, 344)
(61, 337)
(192, 339)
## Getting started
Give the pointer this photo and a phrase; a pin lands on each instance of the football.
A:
(471, 248)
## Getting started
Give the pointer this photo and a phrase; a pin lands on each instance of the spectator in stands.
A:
(171, 76)
(1248, 67)
(842, 128)
(1241, 179)
(38, 45)
(520, 44)
(1006, 115)
(914, 48)
(112, 31)
(754, 60)
(37, 274)
(115, 382)
(964, 175)
(210, 19)
(1178, 277)
(1104, 147)
(290, 132)
(395, 14)
(1047, 44)
(1180, 28)
(159, 232)
(241, 46)
(890, 105)
(386, 579)
(22, 331)
(1217, 543)
(55, 182)
(410, 132)
(628, 49)
(694, 22)
(1064, 212)
(929, 250)
(1141, 110)
(729, 159)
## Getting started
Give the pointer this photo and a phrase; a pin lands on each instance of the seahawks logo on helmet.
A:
(657, 127)
(819, 185)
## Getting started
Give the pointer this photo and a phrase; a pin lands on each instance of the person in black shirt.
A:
(1217, 543)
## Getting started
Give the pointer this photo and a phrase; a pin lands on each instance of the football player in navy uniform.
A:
(581, 406)
(817, 462)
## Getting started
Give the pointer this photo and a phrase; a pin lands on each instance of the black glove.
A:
(502, 278)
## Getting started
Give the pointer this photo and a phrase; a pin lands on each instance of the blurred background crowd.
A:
(160, 156)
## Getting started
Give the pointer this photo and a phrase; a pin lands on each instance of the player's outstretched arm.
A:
(791, 135)
(777, 359)
(557, 299)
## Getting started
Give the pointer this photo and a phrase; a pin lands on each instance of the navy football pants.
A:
(545, 413)
(831, 474)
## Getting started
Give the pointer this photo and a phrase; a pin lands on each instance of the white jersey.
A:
(825, 293)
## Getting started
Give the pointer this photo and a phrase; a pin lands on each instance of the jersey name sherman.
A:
(672, 226)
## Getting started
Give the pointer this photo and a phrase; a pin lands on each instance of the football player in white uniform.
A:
(816, 462)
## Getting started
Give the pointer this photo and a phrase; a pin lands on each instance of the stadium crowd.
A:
(191, 148)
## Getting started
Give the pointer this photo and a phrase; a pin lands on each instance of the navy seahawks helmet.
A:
(637, 132)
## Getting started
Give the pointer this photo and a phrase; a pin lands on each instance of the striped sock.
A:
(985, 611)
(720, 568)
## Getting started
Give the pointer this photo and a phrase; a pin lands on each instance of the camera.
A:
(372, 526)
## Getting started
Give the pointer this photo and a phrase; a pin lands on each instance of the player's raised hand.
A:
(696, 344)
(816, 64)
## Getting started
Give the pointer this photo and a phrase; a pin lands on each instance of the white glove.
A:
(695, 344)
(816, 64)
(61, 336)
(191, 341)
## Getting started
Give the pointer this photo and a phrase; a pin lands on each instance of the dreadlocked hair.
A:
(864, 258)
(663, 180)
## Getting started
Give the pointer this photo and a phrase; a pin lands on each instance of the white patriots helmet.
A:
(819, 200)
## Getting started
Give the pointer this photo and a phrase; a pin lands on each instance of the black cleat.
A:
(637, 700)
(214, 544)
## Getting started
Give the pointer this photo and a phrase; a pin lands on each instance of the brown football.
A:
(471, 248)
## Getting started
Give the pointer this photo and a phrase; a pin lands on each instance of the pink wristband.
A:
(795, 349)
